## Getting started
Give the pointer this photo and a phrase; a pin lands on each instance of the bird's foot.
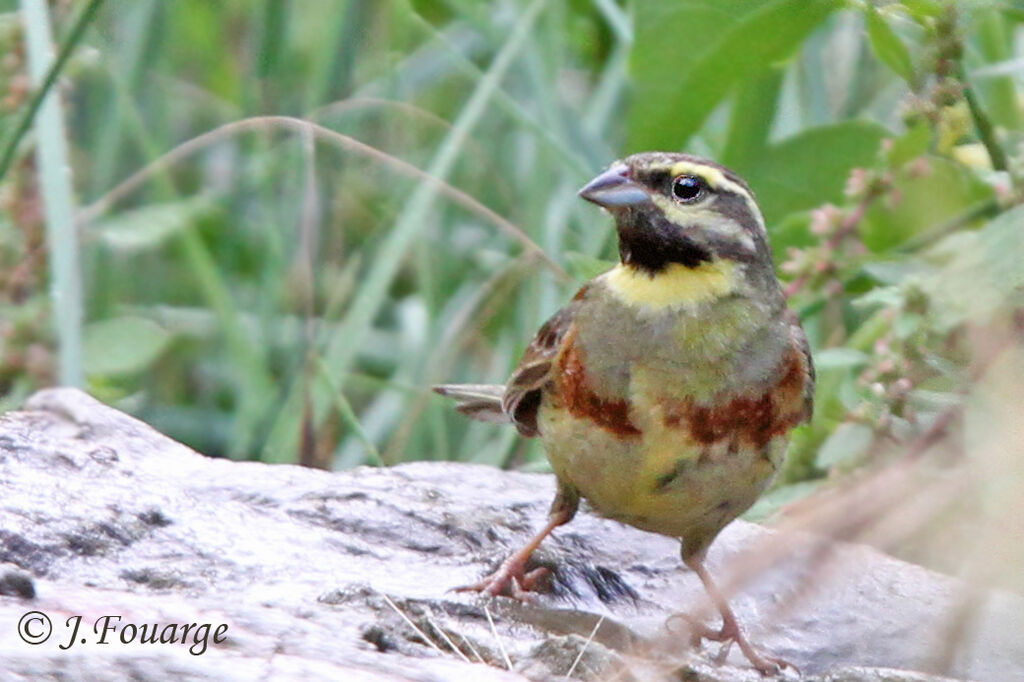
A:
(510, 580)
(728, 635)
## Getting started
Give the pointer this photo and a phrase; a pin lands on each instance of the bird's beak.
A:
(613, 189)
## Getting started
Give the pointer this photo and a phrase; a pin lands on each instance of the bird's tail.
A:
(478, 401)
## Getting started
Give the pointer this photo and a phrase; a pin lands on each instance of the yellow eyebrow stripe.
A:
(714, 177)
(716, 180)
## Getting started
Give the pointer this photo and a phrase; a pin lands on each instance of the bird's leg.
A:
(512, 579)
(730, 631)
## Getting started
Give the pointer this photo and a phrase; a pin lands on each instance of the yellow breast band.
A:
(676, 285)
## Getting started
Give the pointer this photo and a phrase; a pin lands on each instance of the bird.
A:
(665, 391)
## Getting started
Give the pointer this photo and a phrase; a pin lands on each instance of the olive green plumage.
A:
(664, 392)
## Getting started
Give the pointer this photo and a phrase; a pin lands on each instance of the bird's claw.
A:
(510, 580)
(728, 635)
(697, 630)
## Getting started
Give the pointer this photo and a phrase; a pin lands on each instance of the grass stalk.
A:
(45, 82)
(986, 131)
(127, 68)
(54, 167)
(342, 348)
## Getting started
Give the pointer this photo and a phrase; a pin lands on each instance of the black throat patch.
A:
(652, 243)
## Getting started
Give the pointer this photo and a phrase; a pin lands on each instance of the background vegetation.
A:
(296, 216)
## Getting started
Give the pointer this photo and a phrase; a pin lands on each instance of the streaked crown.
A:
(680, 209)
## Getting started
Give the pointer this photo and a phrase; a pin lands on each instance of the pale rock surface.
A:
(314, 574)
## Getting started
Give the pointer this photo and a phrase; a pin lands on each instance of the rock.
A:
(17, 584)
(346, 576)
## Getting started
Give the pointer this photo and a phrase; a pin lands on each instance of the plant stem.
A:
(846, 228)
(986, 131)
(55, 184)
(988, 208)
(29, 112)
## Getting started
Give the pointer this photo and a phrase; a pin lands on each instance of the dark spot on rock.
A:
(351, 549)
(575, 540)
(374, 527)
(86, 543)
(358, 592)
(333, 597)
(14, 584)
(154, 517)
(103, 455)
(124, 536)
(379, 637)
(331, 496)
(424, 547)
(152, 578)
(255, 499)
(609, 585)
(687, 674)
(451, 530)
(522, 507)
(15, 549)
(573, 578)
(644, 570)
(67, 461)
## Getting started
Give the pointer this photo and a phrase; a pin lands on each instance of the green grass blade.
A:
(46, 81)
(55, 184)
(126, 73)
(342, 348)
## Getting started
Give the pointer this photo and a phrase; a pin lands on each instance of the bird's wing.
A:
(523, 391)
(477, 401)
(800, 341)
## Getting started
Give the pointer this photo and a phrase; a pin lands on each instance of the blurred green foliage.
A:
(282, 293)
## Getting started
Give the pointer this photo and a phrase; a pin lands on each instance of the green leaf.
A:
(796, 175)
(910, 145)
(774, 500)
(887, 45)
(924, 9)
(583, 267)
(996, 46)
(750, 121)
(924, 197)
(689, 54)
(1013, 13)
(978, 274)
(890, 272)
(846, 444)
(906, 325)
(934, 401)
(152, 225)
(839, 358)
(122, 345)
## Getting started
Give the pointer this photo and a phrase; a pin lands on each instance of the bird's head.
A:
(677, 209)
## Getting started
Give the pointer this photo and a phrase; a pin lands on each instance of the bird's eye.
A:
(687, 188)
